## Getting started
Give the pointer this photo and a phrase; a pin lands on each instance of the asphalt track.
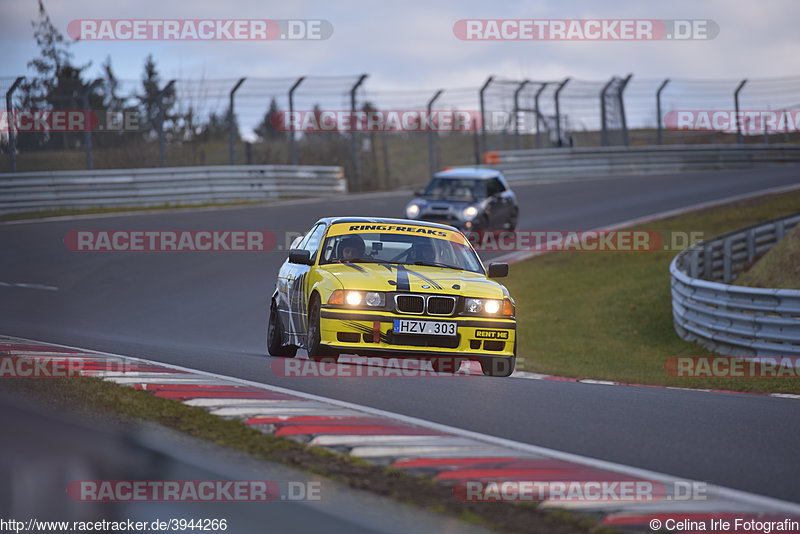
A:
(208, 311)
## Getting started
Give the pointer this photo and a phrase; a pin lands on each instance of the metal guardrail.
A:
(36, 191)
(550, 164)
(734, 320)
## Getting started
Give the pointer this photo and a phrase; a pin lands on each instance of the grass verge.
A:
(108, 403)
(608, 315)
(778, 268)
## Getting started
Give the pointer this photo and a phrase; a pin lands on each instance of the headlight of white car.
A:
(469, 213)
(412, 211)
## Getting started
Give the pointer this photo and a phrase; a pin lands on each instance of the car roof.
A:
(384, 220)
(469, 172)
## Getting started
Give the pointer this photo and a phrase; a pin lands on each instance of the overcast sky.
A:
(411, 45)
(410, 49)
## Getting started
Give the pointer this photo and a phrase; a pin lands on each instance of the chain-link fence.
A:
(199, 121)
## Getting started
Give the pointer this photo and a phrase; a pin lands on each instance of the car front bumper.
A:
(369, 333)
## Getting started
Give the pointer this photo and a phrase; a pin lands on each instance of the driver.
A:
(351, 247)
(424, 251)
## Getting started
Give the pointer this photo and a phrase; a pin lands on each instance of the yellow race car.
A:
(392, 288)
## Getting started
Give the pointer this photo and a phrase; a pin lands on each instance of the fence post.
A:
(87, 134)
(658, 108)
(536, 111)
(231, 140)
(161, 142)
(516, 112)
(483, 113)
(621, 90)
(739, 139)
(727, 261)
(603, 115)
(558, 110)
(354, 133)
(12, 148)
(292, 147)
(433, 160)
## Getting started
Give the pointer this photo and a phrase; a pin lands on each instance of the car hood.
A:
(414, 278)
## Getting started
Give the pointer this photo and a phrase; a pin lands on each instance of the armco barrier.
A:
(734, 320)
(36, 191)
(561, 163)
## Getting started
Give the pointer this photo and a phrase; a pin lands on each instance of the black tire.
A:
(316, 350)
(501, 367)
(512, 222)
(275, 344)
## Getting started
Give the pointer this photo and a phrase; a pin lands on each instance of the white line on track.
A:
(766, 503)
(25, 285)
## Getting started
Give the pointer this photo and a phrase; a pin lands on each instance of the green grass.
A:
(608, 315)
(779, 267)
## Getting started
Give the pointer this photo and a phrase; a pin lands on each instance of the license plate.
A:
(435, 328)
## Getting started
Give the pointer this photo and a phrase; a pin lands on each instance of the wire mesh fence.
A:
(213, 121)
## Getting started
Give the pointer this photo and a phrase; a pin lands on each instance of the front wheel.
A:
(498, 366)
(275, 344)
(316, 350)
(512, 221)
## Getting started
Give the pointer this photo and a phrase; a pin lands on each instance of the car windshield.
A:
(455, 189)
(399, 244)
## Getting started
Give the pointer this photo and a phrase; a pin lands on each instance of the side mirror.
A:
(303, 257)
(498, 270)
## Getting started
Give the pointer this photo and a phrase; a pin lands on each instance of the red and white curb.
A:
(449, 455)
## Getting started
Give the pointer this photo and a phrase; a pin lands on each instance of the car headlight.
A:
(354, 298)
(473, 305)
(469, 213)
(491, 306)
(412, 210)
(486, 306)
(373, 299)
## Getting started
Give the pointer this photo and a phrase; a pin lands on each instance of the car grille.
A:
(441, 305)
(419, 304)
(410, 303)
(433, 217)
